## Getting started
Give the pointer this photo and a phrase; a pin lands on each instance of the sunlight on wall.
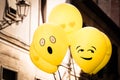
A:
(12, 3)
(34, 18)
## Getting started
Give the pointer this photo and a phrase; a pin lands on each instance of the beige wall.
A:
(16, 59)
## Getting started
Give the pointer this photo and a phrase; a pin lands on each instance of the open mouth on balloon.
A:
(86, 58)
(49, 49)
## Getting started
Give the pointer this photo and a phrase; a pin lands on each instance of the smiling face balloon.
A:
(66, 15)
(48, 47)
(90, 49)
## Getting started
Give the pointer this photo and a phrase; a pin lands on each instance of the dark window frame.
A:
(9, 73)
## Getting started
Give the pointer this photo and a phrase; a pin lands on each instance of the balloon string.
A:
(74, 70)
(73, 64)
(59, 75)
(65, 67)
(54, 76)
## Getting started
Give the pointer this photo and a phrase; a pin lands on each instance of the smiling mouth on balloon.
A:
(87, 58)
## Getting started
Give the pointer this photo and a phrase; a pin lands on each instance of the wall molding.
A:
(14, 41)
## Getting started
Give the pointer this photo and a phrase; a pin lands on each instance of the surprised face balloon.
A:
(49, 44)
(89, 48)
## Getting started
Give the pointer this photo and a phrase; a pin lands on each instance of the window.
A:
(8, 74)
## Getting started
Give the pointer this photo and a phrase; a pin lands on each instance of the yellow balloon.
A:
(89, 49)
(50, 46)
(40, 62)
(66, 15)
(107, 56)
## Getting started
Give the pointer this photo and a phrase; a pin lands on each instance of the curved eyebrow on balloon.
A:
(93, 47)
(77, 47)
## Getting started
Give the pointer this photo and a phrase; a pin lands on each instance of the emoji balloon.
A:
(66, 15)
(90, 48)
(48, 47)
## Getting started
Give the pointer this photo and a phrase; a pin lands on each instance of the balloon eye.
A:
(80, 50)
(52, 39)
(92, 51)
(42, 41)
